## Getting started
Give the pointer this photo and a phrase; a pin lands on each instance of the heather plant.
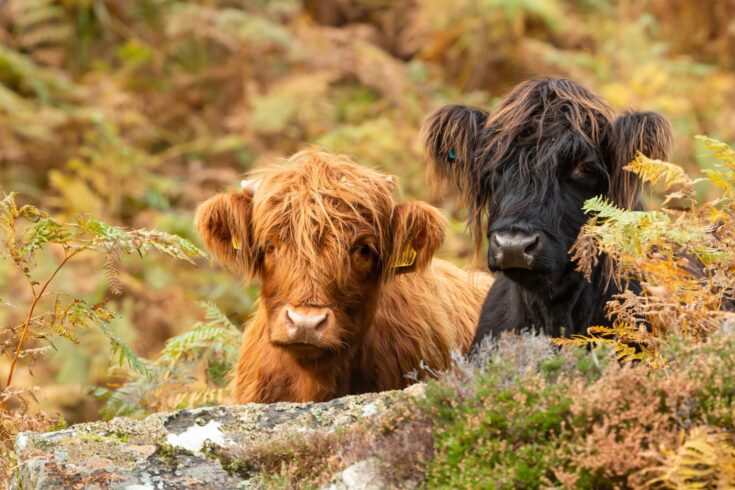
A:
(565, 418)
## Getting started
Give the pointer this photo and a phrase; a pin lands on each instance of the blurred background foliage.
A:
(134, 111)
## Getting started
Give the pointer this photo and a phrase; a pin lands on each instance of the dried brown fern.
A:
(684, 260)
(705, 458)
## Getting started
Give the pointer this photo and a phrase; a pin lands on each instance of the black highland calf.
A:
(524, 170)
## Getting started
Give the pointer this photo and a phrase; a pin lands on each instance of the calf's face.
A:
(323, 235)
(526, 169)
(537, 188)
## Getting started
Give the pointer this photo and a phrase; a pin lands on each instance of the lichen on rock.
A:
(189, 449)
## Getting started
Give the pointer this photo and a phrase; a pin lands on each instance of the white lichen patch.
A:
(20, 441)
(369, 410)
(363, 475)
(147, 486)
(193, 438)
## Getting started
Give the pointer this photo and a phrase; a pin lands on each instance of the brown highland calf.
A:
(351, 299)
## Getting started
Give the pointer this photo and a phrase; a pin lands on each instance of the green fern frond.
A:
(100, 235)
(172, 245)
(199, 336)
(89, 234)
(101, 231)
(46, 230)
(217, 328)
(214, 315)
(601, 207)
(607, 212)
(211, 346)
(81, 313)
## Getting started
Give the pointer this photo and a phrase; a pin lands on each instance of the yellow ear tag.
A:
(407, 258)
(236, 243)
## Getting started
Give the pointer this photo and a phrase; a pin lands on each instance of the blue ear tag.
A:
(452, 157)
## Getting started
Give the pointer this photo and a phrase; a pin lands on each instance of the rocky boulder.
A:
(192, 449)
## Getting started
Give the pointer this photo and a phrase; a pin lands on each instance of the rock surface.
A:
(188, 449)
(363, 475)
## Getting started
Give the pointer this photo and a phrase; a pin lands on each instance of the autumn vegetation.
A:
(117, 118)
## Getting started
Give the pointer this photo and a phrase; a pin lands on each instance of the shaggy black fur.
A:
(526, 169)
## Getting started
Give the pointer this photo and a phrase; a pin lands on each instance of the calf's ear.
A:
(417, 231)
(224, 222)
(647, 132)
(449, 136)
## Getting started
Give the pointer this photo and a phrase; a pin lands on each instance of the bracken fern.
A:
(684, 259)
(192, 370)
(50, 314)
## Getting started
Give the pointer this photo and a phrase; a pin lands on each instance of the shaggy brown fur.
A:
(326, 239)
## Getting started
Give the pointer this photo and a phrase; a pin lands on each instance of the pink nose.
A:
(303, 325)
(305, 322)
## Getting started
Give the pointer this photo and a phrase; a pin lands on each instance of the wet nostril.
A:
(319, 326)
(514, 249)
(533, 245)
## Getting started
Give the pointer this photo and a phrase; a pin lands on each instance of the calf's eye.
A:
(363, 253)
(583, 171)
